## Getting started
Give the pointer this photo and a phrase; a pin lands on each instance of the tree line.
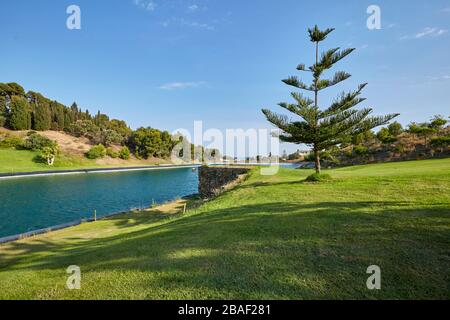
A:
(20, 110)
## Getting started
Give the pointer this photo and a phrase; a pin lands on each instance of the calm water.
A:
(38, 202)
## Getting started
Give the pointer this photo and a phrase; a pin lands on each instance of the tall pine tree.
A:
(323, 128)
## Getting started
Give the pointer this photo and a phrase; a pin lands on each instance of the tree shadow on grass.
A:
(271, 250)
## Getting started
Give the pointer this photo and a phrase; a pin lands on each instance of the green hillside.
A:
(272, 237)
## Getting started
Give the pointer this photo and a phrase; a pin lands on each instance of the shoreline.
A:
(4, 176)
(62, 226)
(33, 233)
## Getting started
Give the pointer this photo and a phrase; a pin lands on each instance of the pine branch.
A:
(301, 100)
(301, 67)
(281, 121)
(331, 57)
(345, 102)
(373, 122)
(317, 35)
(295, 82)
(291, 131)
(298, 132)
(308, 114)
(343, 125)
(337, 119)
(338, 77)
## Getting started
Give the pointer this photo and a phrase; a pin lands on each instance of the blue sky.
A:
(167, 63)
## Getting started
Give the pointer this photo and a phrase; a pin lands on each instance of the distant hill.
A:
(23, 111)
(71, 154)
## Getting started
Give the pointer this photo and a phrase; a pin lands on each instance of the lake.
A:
(32, 203)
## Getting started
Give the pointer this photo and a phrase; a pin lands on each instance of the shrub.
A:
(385, 136)
(111, 153)
(395, 129)
(360, 150)
(37, 142)
(49, 154)
(365, 137)
(440, 142)
(309, 157)
(318, 177)
(96, 152)
(11, 142)
(400, 148)
(110, 137)
(438, 122)
(124, 153)
(82, 128)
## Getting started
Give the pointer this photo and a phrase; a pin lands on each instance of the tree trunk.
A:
(316, 106)
(317, 161)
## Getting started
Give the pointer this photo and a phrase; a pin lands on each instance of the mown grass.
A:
(273, 237)
(13, 161)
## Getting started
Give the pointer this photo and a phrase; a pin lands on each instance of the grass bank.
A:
(14, 161)
(273, 237)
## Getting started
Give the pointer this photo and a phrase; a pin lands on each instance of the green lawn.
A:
(12, 161)
(272, 237)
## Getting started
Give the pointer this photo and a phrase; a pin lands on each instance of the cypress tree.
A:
(3, 111)
(19, 114)
(323, 128)
(57, 112)
(40, 105)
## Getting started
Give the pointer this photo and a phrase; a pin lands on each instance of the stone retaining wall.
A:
(213, 180)
(419, 153)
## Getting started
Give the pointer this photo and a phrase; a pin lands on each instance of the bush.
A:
(395, 129)
(309, 157)
(82, 128)
(111, 153)
(385, 136)
(124, 153)
(11, 142)
(49, 154)
(108, 137)
(96, 152)
(318, 177)
(440, 142)
(37, 142)
(360, 150)
(400, 148)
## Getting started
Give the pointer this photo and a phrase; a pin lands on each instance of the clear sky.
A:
(165, 63)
